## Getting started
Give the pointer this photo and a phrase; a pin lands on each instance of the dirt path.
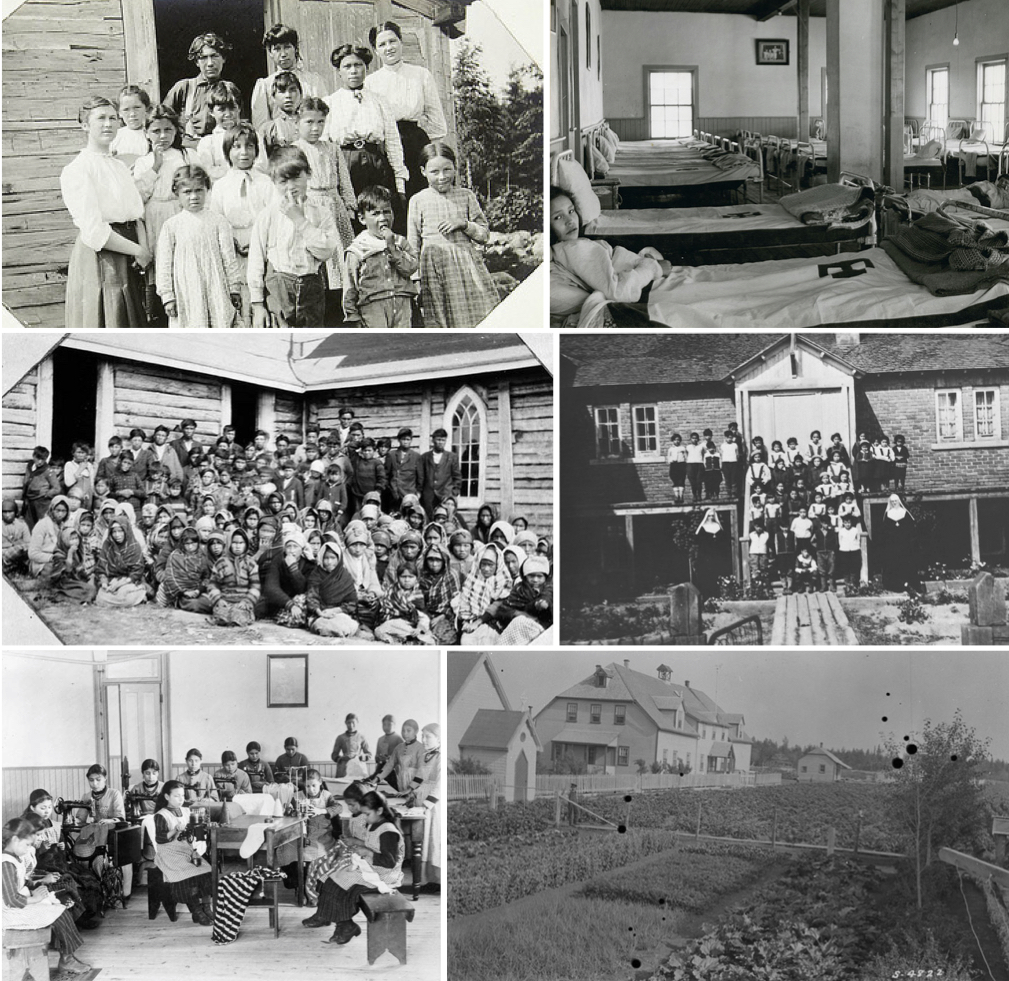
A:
(987, 939)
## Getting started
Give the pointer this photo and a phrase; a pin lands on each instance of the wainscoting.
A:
(784, 126)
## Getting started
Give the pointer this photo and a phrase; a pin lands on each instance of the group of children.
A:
(827, 470)
(343, 535)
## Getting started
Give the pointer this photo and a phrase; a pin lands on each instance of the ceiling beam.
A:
(771, 9)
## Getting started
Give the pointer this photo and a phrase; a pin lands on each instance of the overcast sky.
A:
(504, 29)
(838, 699)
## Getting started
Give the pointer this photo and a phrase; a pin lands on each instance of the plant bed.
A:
(876, 621)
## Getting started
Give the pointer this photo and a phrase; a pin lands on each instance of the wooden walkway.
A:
(811, 620)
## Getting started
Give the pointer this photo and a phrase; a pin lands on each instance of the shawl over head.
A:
(334, 588)
(505, 528)
(536, 563)
(438, 587)
(121, 560)
(356, 533)
(478, 592)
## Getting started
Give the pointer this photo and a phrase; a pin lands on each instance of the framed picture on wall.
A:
(287, 681)
(772, 51)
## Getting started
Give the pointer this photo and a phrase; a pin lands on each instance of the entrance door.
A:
(779, 415)
(521, 776)
(75, 401)
(244, 411)
(134, 728)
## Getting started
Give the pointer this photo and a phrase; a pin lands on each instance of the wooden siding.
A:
(68, 782)
(149, 396)
(785, 126)
(18, 431)
(287, 409)
(55, 53)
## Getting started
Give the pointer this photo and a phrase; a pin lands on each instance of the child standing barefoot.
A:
(329, 181)
(444, 222)
(198, 278)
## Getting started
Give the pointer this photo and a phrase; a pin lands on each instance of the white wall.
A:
(218, 699)
(730, 82)
(983, 31)
(48, 709)
(589, 81)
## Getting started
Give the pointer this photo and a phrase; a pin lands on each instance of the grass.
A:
(684, 879)
(589, 939)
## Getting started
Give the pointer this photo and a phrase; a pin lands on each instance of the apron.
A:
(37, 916)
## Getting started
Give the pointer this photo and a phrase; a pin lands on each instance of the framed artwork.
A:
(287, 681)
(772, 51)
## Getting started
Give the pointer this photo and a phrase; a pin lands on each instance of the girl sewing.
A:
(185, 872)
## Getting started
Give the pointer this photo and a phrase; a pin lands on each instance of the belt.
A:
(127, 225)
(359, 145)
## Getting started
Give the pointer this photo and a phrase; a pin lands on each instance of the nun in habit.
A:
(711, 543)
(897, 546)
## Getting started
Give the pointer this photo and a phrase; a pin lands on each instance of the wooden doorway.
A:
(522, 776)
(131, 715)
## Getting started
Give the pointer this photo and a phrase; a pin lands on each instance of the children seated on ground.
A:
(16, 538)
(585, 273)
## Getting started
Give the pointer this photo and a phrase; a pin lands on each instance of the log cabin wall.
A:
(19, 431)
(517, 481)
(55, 52)
(58, 52)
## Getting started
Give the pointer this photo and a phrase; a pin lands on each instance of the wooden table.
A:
(281, 831)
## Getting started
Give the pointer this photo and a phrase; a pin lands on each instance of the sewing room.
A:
(719, 163)
(220, 813)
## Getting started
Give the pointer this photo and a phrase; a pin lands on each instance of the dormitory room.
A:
(729, 163)
(221, 814)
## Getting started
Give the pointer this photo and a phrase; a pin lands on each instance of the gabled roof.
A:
(657, 698)
(462, 666)
(826, 752)
(494, 729)
(683, 359)
(720, 749)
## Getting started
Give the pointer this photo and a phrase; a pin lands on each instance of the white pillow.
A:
(611, 136)
(600, 164)
(573, 180)
(608, 150)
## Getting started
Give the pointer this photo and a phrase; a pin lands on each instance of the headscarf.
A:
(185, 571)
(304, 514)
(330, 589)
(65, 501)
(67, 559)
(534, 564)
(477, 592)
(205, 522)
(524, 538)
(480, 532)
(126, 560)
(520, 557)
(895, 510)
(438, 587)
(355, 533)
(434, 526)
(505, 528)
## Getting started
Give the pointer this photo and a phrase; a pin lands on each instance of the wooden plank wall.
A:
(784, 126)
(18, 432)
(68, 782)
(55, 53)
(147, 396)
(287, 415)
(533, 449)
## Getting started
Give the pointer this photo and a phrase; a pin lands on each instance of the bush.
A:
(513, 254)
(467, 766)
(516, 210)
(911, 611)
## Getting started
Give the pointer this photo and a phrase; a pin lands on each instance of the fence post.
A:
(774, 827)
(493, 796)
(627, 815)
(858, 831)
(557, 808)
(697, 833)
(831, 840)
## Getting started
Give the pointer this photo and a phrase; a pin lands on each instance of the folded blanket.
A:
(829, 204)
(937, 239)
(939, 278)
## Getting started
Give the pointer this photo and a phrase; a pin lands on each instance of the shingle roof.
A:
(720, 749)
(828, 754)
(491, 729)
(615, 690)
(671, 359)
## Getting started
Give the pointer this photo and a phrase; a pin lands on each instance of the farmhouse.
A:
(617, 716)
(819, 766)
(57, 54)
(624, 396)
(488, 391)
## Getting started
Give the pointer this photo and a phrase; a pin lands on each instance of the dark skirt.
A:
(369, 166)
(194, 890)
(104, 289)
(338, 904)
(414, 139)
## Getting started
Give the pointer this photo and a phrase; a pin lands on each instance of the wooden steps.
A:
(811, 620)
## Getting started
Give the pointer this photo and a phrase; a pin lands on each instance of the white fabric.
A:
(36, 916)
(98, 191)
(241, 210)
(259, 804)
(792, 293)
(571, 178)
(147, 826)
(371, 120)
(254, 839)
(710, 523)
(582, 266)
(895, 509)
(411, 93)
(129, 143)
(691, 221)
(599, 162)
(210, 150)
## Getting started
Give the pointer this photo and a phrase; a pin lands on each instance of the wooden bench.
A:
(388, 915)
(26, 950)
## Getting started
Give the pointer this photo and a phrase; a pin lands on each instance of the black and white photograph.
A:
(146, 837)
(856, 171)
(289, 163)
(785, 489)
(679, 816)
(310, 488)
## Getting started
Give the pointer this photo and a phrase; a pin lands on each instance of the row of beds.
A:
(746, 264)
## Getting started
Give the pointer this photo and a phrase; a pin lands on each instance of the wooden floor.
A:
(130, 947)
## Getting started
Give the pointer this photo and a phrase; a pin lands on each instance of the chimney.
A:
(821, 745)
(627, 663)
(847, 341)
(686, 684)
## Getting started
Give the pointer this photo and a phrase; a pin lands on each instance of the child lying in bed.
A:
(584, 273)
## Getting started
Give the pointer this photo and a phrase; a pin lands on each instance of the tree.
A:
(937, 800)
(468, 766)
(478, 119)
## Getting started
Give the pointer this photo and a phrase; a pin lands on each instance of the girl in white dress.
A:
(198, 277)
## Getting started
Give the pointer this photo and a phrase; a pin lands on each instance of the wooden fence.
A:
(479, 787)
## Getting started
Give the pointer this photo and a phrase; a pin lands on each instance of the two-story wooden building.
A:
(624, 395)
(488, 391)
(617, 716)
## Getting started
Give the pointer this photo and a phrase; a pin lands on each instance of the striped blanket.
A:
(233, 894)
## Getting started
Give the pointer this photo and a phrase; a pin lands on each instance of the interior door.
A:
(133, 714)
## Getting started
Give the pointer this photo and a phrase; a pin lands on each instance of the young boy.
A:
(126, 485)
(79, 475)
(825, 543)
(258, 771)
(805, 570)
(377, 288)
(39, 487)
(108, 465)
(290, 241)
(291, 487)
(241, 195)
(16, 537)
(282, 129)
(901, 455)
(367, 475)
(229, 779)
(759, 539)
(730, 463)
(849, 552)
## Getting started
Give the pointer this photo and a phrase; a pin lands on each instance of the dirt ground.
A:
(150, 624)
(874, 620)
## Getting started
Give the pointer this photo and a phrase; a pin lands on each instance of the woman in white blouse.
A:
(411, 94)
(104, 280)
(364, 127)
